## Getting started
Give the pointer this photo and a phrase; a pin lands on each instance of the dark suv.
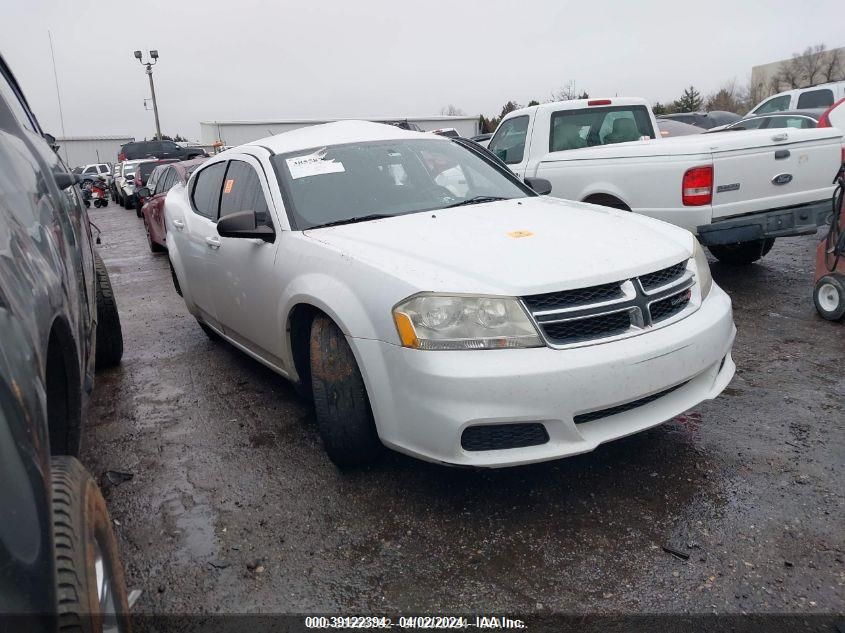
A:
(157, 149)
(59, 565)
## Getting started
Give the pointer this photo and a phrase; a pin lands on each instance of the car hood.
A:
(511, 247)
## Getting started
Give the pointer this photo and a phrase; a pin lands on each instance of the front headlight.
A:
(702, 267)
(450, 322)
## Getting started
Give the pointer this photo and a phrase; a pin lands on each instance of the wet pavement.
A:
(234, 507)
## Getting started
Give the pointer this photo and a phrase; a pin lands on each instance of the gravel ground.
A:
(235, 508)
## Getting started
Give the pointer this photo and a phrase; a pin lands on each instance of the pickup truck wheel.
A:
(109, 332)
(829, 296)
(744, 253)
(91, 589)
(344, 417)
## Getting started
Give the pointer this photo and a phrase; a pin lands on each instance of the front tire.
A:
(344, 417)
(109, 332)
(829, 296)
(743, 253)
(91, 586)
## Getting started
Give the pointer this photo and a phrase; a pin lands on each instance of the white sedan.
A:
(486, 326)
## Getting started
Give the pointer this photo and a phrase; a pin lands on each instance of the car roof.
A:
(335, 133)
(138, 161)
(814, 113)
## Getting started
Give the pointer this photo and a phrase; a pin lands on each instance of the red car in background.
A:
(143, 181)
(163, 178)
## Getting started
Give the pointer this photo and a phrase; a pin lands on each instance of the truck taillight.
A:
(697, 186)
(121, 157)
(595, 102)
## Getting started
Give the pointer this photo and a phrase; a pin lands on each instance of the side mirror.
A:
(64, 181)
(143, 192)
(244, 224)
(540, 185)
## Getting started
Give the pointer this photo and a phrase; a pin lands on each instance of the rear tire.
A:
(127, 203)
(109, 332)
(743, 253)
(344, 417)
(829, 296)
(91, 589)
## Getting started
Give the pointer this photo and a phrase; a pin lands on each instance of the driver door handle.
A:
(213, 242)
(179, 224)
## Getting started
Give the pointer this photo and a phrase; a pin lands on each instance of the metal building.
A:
(234, 133)
(84, 150)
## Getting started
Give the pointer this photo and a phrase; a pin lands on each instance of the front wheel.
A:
(91, 586)
(344, 418)
(109, 332)
(829, 296)
(743, 253)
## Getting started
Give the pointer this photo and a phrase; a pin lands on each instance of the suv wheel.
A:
(744, 253)
(344, 418)
(91, 587)
(109, 332)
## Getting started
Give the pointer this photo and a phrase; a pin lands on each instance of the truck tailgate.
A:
(771, 169)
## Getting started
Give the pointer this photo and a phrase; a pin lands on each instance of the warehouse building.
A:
(233, 133)
(85, 150)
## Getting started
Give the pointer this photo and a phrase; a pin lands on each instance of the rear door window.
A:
(206, 194)
(816, 98)
(588, 127)
(509, 141)
(242, 192)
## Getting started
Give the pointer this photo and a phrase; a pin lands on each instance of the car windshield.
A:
(385, 178)
(145, 169)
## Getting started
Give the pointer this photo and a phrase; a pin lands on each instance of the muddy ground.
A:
(234, 507)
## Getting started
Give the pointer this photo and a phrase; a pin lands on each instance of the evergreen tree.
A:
(690, 101)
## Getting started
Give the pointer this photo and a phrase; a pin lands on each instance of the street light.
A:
(154, 56)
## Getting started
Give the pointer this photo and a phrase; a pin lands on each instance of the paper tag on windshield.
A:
(315, 164)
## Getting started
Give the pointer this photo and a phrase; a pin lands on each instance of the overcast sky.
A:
(248, 59)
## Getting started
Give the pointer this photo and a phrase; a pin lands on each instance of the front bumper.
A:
(423, 400)
(800, 220)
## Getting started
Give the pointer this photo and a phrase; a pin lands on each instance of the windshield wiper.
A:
(353, 220)
(475, 200)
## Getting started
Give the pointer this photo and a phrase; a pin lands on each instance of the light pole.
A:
(149, 65)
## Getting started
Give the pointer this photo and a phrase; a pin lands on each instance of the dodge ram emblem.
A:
(782, 179)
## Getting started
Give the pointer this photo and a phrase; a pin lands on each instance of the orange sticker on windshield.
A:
(229, 184)
(518, 234)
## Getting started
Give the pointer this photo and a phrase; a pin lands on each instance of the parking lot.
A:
(234, 506)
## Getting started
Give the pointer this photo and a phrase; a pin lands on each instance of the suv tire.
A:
(109, 332)
(91, 589)
(344, 417)
(743, 253)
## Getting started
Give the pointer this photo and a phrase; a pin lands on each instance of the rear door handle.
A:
(179, 224)
(213, 242)
(781, 154)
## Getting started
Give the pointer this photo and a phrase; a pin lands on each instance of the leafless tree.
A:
(568, 93)
(810, 64)
(730, 97)
(833, 68)
(788, 75)
(452, 110)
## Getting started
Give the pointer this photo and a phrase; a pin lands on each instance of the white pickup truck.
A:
(737, 191)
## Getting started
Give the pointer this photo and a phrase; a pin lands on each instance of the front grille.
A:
(571, 298)
(663, 277)
(625, 307)
(588, 329)
(621, 408)
(491, 437)
(670, 306)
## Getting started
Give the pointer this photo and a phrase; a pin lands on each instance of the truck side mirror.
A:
(539, 185)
